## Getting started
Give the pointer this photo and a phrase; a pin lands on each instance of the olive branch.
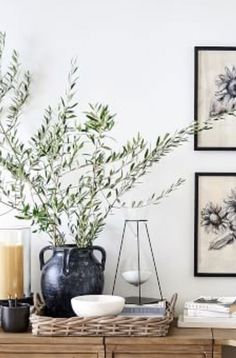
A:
(69, 172)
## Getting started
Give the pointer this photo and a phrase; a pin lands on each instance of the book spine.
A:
(161, 304)
(210, 320)
(205, 324)
(202, 313)
(206, 307)
(144, 310)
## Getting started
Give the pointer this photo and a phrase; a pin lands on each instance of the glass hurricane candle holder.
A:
(15, 268)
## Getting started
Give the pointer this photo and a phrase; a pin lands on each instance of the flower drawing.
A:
(225, 96)
(214, 218)
(220, 220)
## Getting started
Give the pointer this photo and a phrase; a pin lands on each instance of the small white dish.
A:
(97, 305)
(132, 277)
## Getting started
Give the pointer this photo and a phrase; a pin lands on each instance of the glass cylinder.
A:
(15, 259)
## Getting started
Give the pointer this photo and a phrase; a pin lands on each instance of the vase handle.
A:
(104, 256)
(41, 255)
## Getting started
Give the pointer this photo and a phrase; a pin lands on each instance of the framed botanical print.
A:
(215, 97)
(215, 224)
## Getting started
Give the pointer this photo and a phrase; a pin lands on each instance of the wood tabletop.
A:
(175, 336)
(225, 337)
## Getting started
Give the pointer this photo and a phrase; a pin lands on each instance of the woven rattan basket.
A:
(103, 326)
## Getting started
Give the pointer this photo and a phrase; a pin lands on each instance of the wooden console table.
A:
(223, 337)
(180, 343)
(24, 345)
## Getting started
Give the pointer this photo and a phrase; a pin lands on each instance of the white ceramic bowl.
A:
(97, 305)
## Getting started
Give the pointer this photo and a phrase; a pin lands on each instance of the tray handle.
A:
(173, 302)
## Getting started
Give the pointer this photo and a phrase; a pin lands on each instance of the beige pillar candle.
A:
(11, 271)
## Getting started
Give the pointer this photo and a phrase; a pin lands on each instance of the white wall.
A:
(137, 56)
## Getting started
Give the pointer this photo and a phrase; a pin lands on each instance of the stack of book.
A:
(155, 309)
(214, 312)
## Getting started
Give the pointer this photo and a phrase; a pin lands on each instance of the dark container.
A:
(70, 272)
(15, 319)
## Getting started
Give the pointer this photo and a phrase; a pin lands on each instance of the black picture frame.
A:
(224, 177)
(197, 115)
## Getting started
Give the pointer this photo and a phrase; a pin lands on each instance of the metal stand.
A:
(138, 300)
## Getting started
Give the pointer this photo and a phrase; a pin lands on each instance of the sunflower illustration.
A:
(214, 218)
(225, 95)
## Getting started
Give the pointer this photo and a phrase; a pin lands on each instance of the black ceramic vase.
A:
(70, 272)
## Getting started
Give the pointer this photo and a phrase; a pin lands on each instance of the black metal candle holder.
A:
(15, 316)
(28, 299)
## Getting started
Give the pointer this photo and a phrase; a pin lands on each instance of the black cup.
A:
(15, 319)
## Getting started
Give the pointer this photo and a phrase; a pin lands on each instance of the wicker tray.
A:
(104, 326)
